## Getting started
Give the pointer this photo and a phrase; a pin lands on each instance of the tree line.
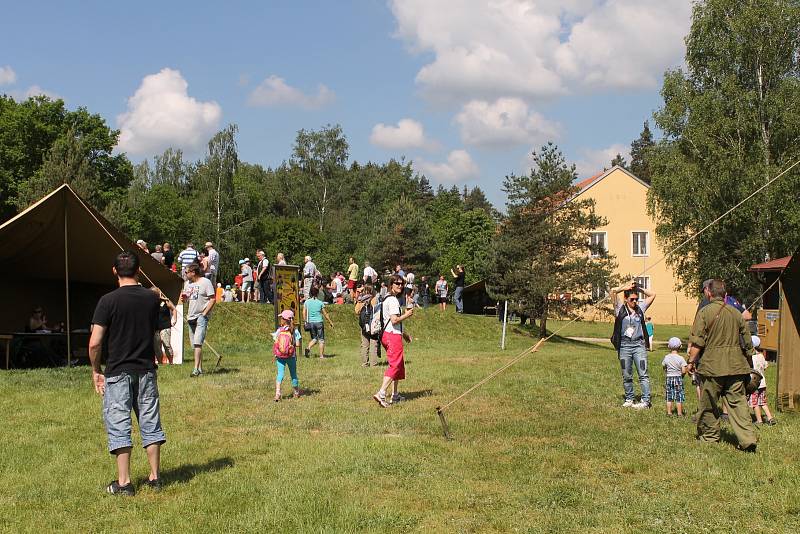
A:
(728, 122)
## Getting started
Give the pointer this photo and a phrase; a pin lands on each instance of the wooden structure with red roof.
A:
(779, 324)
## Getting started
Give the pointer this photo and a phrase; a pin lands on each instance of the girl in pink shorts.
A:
(392, 341)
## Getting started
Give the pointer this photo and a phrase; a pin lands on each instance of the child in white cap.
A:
(674, 367)
(284, 351)
(758, 399)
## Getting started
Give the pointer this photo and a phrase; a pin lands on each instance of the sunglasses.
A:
(397, 283)
(634, 299)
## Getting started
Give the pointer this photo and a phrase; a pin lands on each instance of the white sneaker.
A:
(627, 404)
(641, 405)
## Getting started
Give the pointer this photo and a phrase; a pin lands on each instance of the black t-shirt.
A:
(164, 316)
(460, 279)
(130, 316)
(169, 258)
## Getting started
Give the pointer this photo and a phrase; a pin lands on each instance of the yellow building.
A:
(621, 198)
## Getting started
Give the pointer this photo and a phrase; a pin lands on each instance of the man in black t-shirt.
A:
(123, 327)
(459, 275)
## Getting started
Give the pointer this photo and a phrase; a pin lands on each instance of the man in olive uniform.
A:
(722, 368)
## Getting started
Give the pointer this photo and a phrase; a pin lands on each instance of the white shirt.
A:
(213, 260)
(337, 287)
(370, 273)
(760, 364)
(391, 306)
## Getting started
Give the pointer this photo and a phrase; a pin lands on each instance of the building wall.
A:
(622, 200)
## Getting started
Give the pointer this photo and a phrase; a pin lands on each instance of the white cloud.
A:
(593, 160)
(161, 114)
(504, 122)
(459, 167)
(274, 91)
(407, 134)
(541, 48)
(7, 75)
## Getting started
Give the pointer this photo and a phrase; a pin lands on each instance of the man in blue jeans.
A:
(124, 323)
(631, 340)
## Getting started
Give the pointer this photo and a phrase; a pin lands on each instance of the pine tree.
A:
(619, 161)
(639, 165)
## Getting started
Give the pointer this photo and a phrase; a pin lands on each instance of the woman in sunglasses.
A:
(392, 340)
(631, 340)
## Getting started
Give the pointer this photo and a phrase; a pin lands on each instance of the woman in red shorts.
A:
(392, 341)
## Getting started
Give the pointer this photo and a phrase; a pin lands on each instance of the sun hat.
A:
(209, 244)
(287, 314)
(756, 341)
(674, 343)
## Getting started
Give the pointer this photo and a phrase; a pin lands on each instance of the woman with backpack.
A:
(284, 351)
(392, 337)
(366, 300)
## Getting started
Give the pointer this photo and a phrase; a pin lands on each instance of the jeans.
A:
(459, 301)
(317, 332)
(634, 353)
(137, 392)
(198, 328)
(282, 364)
(265, 291)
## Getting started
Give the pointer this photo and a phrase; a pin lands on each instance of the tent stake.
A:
(445, 428)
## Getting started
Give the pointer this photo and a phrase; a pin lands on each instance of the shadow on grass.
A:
(411, 395)
(186, 472)
(224, 371)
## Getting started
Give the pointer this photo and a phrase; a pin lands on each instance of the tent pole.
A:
(505, 322)
(66, 284)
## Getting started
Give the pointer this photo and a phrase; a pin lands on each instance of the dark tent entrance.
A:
(57, 255)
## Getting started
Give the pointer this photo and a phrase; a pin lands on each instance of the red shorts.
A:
(393, 343)
(351, 284)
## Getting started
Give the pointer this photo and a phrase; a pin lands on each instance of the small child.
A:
(758, 399)
(675, 367)
(650, 329)
(285, 353)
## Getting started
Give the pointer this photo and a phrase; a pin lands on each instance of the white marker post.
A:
(505, 322)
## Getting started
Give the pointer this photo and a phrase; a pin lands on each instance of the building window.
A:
(598, 293)
(597, 244)
(641, 243)
(642, 281)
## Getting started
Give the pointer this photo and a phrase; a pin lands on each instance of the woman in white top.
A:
(392, 341)
(441, 292)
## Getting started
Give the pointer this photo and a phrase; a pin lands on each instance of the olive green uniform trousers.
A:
(732, 389)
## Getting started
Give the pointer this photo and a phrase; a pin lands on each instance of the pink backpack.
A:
(284, 344)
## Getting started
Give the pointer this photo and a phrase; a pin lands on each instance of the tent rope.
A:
(440, 409)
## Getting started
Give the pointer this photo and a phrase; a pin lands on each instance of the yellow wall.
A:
(622, 200)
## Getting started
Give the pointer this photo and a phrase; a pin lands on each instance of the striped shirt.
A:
(186, 257)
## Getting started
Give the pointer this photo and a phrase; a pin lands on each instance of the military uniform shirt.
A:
(722, 355)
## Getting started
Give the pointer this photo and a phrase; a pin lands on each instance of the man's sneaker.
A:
(749, 448)
(381, 400)
(627, 404)
(196, 372)
(154, 485)
(397, 398)
(115, 489)
(641, 405)
(772, 422)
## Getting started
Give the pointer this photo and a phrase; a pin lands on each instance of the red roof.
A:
(772, 265)
(583, 184)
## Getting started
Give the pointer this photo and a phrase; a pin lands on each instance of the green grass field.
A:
(544, 447)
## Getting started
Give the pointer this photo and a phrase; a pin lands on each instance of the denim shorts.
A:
(197, 330)
(137, 392)
(317, 331)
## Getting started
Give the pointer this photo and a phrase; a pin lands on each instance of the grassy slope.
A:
(544, 447)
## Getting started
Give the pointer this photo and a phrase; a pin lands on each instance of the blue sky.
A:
(465, 89)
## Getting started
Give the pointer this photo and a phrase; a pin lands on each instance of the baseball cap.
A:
(674, 343)
(140, 242)
(245, 260)
(756, 341)
(209, 244)
(228, 286)
(287, 314)
(241, 262)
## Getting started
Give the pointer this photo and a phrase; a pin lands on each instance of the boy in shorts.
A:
(674, 367)
(758, 399)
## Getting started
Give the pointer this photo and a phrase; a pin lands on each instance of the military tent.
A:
(58, 254)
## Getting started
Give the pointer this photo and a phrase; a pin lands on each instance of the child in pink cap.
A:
(284, 351)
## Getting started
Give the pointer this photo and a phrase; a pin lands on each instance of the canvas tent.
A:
(786, 300)
(58, 254)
